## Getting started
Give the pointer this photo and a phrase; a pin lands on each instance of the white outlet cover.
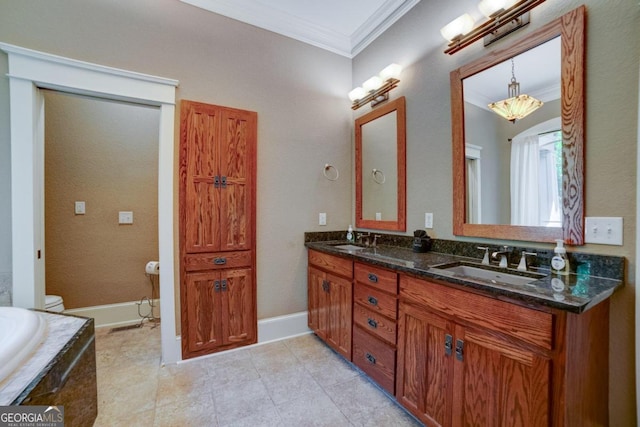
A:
(322, 218)
(125, 217)
(80, 208)
(428, 220)
(378, 216)
(603, 230)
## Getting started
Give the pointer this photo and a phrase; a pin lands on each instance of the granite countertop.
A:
(573, 293)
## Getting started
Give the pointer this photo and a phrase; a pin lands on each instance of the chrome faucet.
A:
(485, 259)
(375, 240)
(366, 237)
(503, 256)
(523, 260)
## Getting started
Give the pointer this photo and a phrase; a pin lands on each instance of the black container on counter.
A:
(421, 241)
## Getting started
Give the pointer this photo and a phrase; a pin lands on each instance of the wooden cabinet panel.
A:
(218, 260)
(376, 358)
(375, 277)
(330, 306)
(375, 300)
(375, 324)
(424, 377)
(528, 325)
(217, 227)
(333, 264)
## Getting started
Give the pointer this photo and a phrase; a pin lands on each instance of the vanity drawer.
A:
(375, 300)
(374, 323)
(330, 263)
(378, 278)
(375, 358)
(217, 260)
(525, 324)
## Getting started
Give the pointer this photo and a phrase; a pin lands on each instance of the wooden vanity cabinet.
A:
(468, 359)
(217, 228)
(375, 312)
(330, 300)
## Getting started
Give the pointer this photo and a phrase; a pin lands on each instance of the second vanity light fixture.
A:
(504, 17)
(376, 89)
(516, 106)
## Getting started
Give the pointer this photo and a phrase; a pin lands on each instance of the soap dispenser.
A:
(350, 234)
(560, 262)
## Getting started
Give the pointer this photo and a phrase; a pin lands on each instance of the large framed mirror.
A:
(522, 180)
(381, 167)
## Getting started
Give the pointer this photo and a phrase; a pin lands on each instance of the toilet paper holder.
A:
(152, 267)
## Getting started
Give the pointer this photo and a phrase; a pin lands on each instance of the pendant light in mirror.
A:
(516, 106)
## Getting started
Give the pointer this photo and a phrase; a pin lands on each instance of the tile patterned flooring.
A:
(294, 382)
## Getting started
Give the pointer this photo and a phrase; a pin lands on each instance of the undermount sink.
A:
(349, 247)
(476, 272)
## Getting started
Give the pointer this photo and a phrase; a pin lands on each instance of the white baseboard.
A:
(282, 327)
(114, 315)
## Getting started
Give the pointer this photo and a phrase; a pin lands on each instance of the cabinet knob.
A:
(448, 344)
(459, 350)
(223, 182)
(372, 300)
(224, 285)
(370, 358)
(372, 323)
(216, 181)
(216, 286)
(373, 278)
(220, 261)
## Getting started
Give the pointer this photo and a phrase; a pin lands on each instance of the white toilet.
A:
(53, 303)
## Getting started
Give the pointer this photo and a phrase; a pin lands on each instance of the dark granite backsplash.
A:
(608, 266)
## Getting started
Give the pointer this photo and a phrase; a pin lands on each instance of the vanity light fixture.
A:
(376, 89)
(516, 106)
(504, 17)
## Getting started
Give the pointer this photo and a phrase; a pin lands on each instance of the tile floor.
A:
(295, 382)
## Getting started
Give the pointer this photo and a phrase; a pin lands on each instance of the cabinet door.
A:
(237, 171)
(499, 384)
(425, 365)
(238, 306)
(340, 302)
(315, 280)
(203, 330)
(199, 157)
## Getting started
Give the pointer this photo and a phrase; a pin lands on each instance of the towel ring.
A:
(376, 174)
(327, 168)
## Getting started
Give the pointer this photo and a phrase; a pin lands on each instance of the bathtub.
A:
(21, 332)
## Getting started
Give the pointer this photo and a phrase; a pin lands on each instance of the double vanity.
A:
(457, 342)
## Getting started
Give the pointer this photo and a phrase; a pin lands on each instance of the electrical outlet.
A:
(378, 216)
(322, 218)
(428, 220)
(80, 208)
(603, 230)
(125, 217)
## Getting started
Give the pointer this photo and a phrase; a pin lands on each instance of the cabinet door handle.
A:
(325, 285)
(224, 285)
(370, 358)
(372, 323)
(448, 344)
(373, 278)
(372, 300)
(216, 286)
(220, 261)
(216, 181)
(223, 182)
(459, 350)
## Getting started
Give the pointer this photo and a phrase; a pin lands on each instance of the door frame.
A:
(29, 71)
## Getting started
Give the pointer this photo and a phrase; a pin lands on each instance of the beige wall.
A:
(105, 154)
(298, 91)
(613, 52)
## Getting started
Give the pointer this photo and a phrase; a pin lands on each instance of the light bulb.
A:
(372, 84)
(458, 27)
(489, 7)
(357, 93)
(391, 71)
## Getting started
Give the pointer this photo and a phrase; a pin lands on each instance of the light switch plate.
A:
(322, 218)
(428, 220)
(603, 230)
(378, 216)
(125, 217)
(80, 208)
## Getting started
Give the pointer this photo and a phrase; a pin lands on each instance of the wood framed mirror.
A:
(569, 31)
(381, 167)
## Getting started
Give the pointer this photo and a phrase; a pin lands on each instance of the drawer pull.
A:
(372, 323)
(459, 350)
(372, 300)
(224, 285)
(448, 344)
(370, 358)
(216, 181)
(373, 278)
(223, 182)
(216, 286)
(220, 261)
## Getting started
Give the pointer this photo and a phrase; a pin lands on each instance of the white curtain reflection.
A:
(536, 195)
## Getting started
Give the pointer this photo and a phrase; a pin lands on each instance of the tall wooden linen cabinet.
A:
(217, 228)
